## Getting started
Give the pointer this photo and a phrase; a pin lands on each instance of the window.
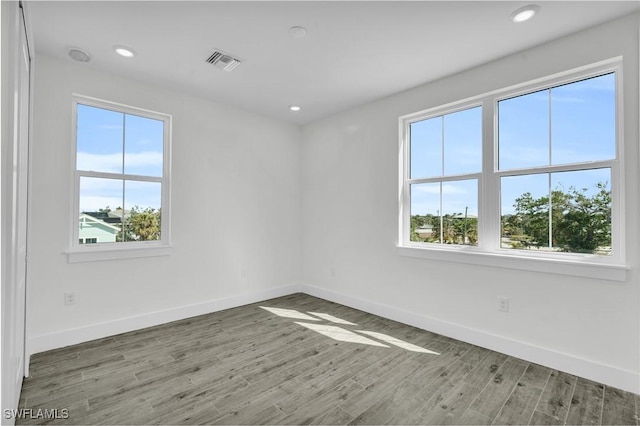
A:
(121, 176)
(529, 172)
(446, 161)
(562, 142)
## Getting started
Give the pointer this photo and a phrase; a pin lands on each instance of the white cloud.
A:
(97, 193)
(95, 203)
(428, 188)
(448, 188)
(151, 159)
(451, 188)
(139, 162)
(108, 187)
(111, 163)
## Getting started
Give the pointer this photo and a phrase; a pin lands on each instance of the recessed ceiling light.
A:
(125, 51)
(525, 13)
(297, 32)
(79, 55)
(294, 108)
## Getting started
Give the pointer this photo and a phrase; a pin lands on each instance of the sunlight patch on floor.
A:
(290, 313)
(340, 334)
(331, 318)
(397, 342)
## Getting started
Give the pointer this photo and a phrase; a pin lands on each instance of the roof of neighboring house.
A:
(86, 217)
(462, 216)
(110, 216)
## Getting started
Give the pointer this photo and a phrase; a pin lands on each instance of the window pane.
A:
(99, 193)
(460, 212)
(463, 142)
(581, 206)
(426, 148)
(425, 212)
(455, 222)
(143, 146)
(99, 139)
(583, 116)
(525, 211)
(142, 206)
(523, 131)
(100, 210)
(580, 220)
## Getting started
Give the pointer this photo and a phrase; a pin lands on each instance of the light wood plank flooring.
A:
(249, 365)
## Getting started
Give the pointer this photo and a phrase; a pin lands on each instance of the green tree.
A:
(143, 224)
(579, 223)
(585, 223)
(459, 229)
(140, 225)
(532, 218)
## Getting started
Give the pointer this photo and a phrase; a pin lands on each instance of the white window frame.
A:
(130, 249)
(442, 178)
(488, 251)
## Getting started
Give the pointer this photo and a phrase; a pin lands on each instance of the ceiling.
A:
(353, 52)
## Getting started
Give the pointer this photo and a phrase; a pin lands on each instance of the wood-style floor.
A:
(249, 365)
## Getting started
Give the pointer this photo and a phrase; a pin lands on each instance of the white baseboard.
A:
(606, 374)
(87, 333)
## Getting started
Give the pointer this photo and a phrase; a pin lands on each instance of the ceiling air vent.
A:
(223, 60)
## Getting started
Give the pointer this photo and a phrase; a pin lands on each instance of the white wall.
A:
(350, 211)
(235, 206)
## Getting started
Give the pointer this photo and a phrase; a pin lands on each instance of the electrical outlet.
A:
(503, 304)
(69, 298)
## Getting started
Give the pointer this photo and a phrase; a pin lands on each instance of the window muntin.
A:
(121, 174)
(446, 156)
(565, 144)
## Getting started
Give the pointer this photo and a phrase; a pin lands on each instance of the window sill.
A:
(96, 254)
(470, 255)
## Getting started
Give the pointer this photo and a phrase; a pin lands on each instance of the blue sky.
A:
(462, 134)
(566, 124)
(113, 142)
(570, 123)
